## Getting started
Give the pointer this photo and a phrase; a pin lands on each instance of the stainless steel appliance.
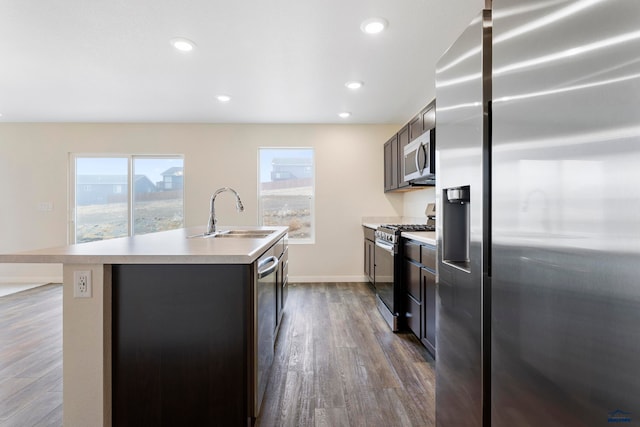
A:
(390, 292)
(419, 166)
(538, 127)
(266, 271)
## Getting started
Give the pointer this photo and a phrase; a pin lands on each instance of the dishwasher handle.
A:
(265, 271)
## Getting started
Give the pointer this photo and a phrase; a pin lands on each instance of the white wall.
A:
(349, 183)
(415, 202)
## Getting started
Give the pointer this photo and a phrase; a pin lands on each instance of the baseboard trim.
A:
(327, 279)
(30, 279)
(293, 279)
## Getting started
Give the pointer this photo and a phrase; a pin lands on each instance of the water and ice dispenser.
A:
(456, 226)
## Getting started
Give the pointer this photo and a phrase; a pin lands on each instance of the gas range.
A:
(391, 232)
(391, 293)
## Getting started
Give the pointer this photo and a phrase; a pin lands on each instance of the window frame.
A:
(312, 206)
(71, 181)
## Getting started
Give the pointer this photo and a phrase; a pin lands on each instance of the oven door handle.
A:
(386, 246)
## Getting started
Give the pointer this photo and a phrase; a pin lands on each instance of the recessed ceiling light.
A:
(354, 84)
(223, 98)
(182, 44)
(344, 114)
(374, 25)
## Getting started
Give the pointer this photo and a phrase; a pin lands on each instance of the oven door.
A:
(384, 271)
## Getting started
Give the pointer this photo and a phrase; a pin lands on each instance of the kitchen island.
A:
(177, 329)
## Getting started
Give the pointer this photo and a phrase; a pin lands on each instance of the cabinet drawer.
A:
(369, 233)
(413, 316)
(428, 257)
(412, 250)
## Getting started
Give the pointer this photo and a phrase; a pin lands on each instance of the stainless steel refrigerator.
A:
(538, 159)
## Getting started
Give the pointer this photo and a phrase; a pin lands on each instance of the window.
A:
(286, 191)
(120, 196)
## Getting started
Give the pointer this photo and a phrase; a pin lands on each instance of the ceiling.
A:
(281, 61)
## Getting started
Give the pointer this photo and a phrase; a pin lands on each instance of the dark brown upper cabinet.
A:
(391, 164)
(424, 121)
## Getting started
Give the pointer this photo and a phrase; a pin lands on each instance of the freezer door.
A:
(462, 94)
(566, 213)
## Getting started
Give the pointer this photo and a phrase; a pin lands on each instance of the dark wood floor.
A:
(31, 358)
(337, 363)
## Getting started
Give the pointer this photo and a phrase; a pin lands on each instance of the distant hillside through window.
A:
(105, 208)
(286, 191)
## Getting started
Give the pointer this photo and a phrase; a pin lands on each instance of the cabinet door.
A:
(403, 140)
(429, 116)
(412, 280)
(413, 285)
(429, 311)
(414, 310)
(285, 278)
(416, 127)
(369, 251)
(281, 251)
(391, 164)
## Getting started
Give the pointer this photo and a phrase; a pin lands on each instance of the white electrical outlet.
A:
(45, 206)
(82, 284)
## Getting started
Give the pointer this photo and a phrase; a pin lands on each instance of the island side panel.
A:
(86, 346)
(180, 344)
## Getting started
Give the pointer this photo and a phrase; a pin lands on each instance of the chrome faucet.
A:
(211, 227)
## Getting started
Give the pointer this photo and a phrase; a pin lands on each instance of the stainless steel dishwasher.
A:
(266, 268)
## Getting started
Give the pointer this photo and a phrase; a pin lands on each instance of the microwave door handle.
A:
(423, 149)
(418, 152)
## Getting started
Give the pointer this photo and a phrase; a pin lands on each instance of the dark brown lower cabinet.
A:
(179, 344)
(369, 251)
(419, 281)
(193, 344)
(282, 283)
(428, 336)
(413, 306)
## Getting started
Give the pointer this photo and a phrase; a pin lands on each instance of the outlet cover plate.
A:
(82, 286)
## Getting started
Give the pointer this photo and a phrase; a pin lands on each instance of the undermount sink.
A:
(230, 234)
(255, 234)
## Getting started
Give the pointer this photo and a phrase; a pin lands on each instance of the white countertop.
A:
(428, 237)
(166, 247)
(376, 221)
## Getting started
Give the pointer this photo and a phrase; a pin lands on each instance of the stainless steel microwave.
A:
(419, 166)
